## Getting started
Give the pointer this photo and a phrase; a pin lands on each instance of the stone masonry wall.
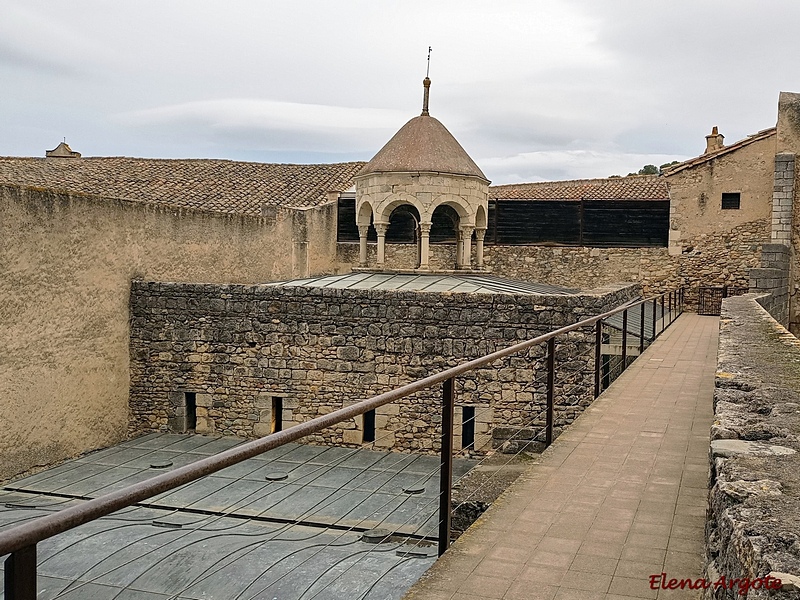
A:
(753, 519)
(706, 259)
(772, 279)
(239, 346)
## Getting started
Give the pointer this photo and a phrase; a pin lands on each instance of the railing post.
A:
(669, 301)
(641, 329)
(20, 574)
(624, 338)
(673, 306)
(446, 474)
(655, 304)
(598, 354)
(551, 382)
(662, 314)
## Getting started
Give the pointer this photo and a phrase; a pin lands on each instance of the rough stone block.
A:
(384, 439)
(262, 429)
(352, 436)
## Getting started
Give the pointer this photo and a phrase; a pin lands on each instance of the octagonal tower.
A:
(423, 167)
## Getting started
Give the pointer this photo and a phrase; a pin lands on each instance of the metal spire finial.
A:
(427, 84)
(428, 72)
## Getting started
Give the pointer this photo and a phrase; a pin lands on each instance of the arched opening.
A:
(444, 225)
(365, 217)
(480, 218)
(403, 225)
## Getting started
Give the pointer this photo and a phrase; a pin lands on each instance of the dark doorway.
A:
(369, 426)
(191, 410)
(277, 414)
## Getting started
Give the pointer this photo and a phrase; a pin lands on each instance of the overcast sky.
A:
(533, 90)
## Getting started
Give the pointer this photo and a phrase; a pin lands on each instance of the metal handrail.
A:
(27, 535)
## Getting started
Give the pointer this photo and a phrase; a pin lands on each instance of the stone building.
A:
(76, 231)
(252, 359)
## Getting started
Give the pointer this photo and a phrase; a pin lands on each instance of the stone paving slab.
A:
(618, 497)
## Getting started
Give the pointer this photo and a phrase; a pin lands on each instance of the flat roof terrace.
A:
(287, 524)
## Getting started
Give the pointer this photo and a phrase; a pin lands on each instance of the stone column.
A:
(424, 245)
(459, 249)
(479, 235)
(466, 243)
(362, 245)
(381, 229)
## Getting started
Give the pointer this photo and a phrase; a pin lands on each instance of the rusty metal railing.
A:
(20, 541)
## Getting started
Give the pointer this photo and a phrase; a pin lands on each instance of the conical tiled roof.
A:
(423, 144)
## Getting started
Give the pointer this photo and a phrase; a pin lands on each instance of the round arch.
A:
(403, 225)
(480, 218)
(445, 222)
(364, 215)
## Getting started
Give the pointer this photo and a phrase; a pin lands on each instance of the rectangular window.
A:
(731, 200)
(467, 427)
(369, 426)
(277, 414)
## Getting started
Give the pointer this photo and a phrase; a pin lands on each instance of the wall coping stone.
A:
(753, 526)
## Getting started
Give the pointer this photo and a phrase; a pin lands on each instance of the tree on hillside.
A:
(654, 170)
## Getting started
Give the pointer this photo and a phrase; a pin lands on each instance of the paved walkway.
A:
(619, 497)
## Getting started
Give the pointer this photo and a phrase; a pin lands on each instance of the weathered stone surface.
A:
(730, 447)
(753, 527)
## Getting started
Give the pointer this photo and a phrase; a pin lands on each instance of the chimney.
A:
(714, 141)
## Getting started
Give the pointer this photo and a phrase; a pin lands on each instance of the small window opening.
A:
(277, 414)
(467, 427)
(369, 426)
(191, 410)
(731, 200)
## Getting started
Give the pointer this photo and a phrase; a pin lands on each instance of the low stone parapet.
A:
(753, 525)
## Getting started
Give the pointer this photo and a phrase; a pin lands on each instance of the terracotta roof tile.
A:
(205, 184)
(636, 187)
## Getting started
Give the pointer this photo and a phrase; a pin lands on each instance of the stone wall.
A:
(709, 259)
(67, 262)
(771, 280)
(753, 527)
(723, 258)
(696, 193)
(238, 347)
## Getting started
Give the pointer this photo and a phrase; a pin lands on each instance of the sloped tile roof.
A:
(423, 144)
(635, 187)
(763, 134)
(205, 184)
